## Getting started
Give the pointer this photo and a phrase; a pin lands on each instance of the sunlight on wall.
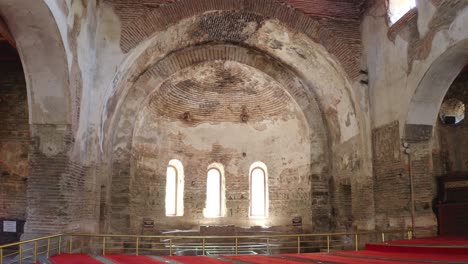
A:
(398, 8)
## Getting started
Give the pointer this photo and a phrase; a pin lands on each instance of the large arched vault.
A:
(310, 77)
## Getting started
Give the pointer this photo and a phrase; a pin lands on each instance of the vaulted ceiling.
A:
(340, 9)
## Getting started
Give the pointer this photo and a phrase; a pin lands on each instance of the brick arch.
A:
(146, 85)
(311, 63)
(272, 48)
(339, 37)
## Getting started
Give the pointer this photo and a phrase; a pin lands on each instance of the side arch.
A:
(426, 100)
(43, 57)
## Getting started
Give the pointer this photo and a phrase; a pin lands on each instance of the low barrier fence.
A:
(30, 251)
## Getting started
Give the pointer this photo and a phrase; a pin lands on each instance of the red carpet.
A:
(260, 259)
(341, 259)
(73, 259)
(424, 250)
(407, 256)
(419, 249)
(440, 240)
(195, 260)
(127, 259)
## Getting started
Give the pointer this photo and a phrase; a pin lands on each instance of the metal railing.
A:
(30, 251)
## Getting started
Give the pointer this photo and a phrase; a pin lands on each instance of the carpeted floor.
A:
(124, 259)
(404, 256)
(427, 250)
(439, 240)
(196, 260)
(260, 259)
(73, 259)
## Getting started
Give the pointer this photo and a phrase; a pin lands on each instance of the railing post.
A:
(268, 246)
(104, 246)
(71, 245)
(20, 252)
(203, 247)
(170, 247)
(383, 237)
(48, 247)
(137, 245)
(35, 251)
(1, 255)
(60, 245)
(356, 241)
(237, 246)
(328, 243)
(298, 245)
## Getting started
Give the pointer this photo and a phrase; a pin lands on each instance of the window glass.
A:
(258, 201)
(398, 8)
(213, 195)
(171, 191)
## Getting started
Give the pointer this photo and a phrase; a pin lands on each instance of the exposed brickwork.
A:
(14, 141)
(60, 197)
(391, 182)
(147, 167)
(393, 171)
(341, 37)
(352, 199)
(217, 87)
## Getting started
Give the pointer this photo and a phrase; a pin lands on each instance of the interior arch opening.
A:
(14, 143)
(451, 159)
(233, 114)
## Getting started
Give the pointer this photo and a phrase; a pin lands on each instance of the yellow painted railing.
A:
(32, 250)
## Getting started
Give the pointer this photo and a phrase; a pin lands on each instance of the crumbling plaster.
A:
(278, 135)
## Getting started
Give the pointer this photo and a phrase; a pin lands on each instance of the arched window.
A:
(174, 189)
(215, 191)
(398, 8)
(258, 190)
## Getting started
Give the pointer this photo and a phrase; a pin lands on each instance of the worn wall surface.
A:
(320, 88)
(234, 115)
(411, 65)
(15, 141)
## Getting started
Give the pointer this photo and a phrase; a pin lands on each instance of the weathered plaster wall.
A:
(411, 66)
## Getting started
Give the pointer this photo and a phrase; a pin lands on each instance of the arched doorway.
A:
(14, 141)
(433, 121)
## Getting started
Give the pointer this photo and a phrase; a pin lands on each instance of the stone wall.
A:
(14, 141)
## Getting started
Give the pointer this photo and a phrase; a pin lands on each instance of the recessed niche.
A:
(452, 111)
